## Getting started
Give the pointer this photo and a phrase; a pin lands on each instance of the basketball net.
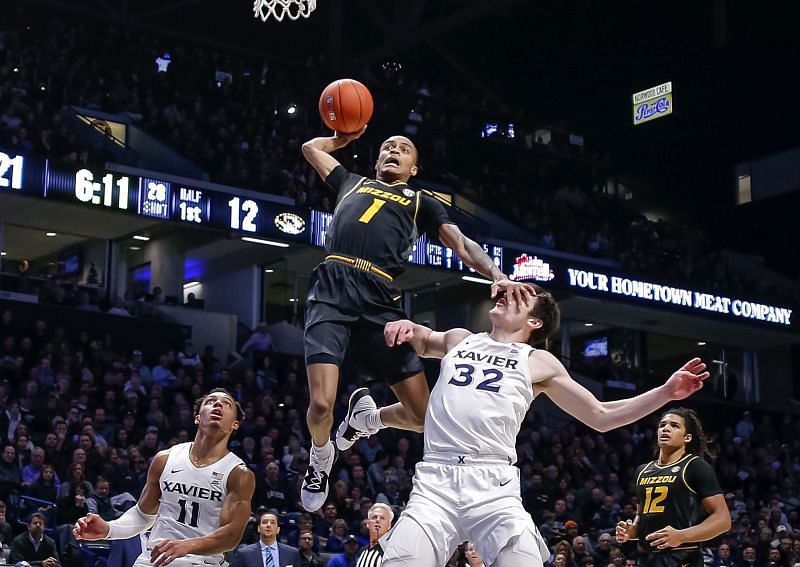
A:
(278, 9)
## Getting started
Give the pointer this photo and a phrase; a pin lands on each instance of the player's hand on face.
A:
(688, 380)
(517, 294)
(168, 550)
(623, 531)
(398, 332)
(91, 527)
(665, 538)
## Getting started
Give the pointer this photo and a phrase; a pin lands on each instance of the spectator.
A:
(304, 524)
(336, 539)
(260, 342)
(136, 365)
(100, 501)
(472, 556)
(348, 557)
(188, 358)
(45, 487)
(603, 550)
(162, 375)
(744, 428)
(76, 474)
(722, 558)
(32, 471)
(6, 532)
(34, 545)
(579, 551)
(308, 558)
(272, 491)
(10, 475)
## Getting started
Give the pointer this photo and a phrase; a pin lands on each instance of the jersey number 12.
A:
(653, 496)
(195, 513)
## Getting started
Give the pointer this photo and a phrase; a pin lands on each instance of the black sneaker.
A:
(354, 426)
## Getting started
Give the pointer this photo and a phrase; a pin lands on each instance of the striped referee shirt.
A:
(370, 557)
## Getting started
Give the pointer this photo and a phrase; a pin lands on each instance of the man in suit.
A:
(33, 545)
(267, 552)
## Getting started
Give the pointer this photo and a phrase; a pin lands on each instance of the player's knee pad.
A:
(408, 546)
(520, 551)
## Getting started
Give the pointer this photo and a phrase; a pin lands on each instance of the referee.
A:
(380, 518)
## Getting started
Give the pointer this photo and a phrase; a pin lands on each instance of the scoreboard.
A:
(151, 197)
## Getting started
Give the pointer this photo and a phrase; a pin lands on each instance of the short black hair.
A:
(546, 310)
(37, 515)
(199, 402)
(264, 511)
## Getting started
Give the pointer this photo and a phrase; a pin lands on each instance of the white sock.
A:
(373, 420)
(325, 451)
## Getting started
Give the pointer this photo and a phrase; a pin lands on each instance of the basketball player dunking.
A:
(196, 499)
(351, 297)
(466, 487)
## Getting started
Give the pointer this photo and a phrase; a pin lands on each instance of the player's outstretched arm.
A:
(550, 377)
(474, 256)
(424, 341)
(317, 151)
(136, 520)
(232, 522)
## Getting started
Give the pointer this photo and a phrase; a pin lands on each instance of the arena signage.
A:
(665, 294)
(652, 103)
(565, 272)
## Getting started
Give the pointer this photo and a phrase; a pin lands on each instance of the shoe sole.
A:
(357, 394)
(303, 491)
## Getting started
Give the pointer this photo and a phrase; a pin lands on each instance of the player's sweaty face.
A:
(397, 158)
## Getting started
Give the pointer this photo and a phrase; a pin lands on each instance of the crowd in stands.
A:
(229, 113)
(80, 421)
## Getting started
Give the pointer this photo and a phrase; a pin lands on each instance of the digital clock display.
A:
(152, 197)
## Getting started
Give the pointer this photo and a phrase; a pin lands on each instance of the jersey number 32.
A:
(466, 376)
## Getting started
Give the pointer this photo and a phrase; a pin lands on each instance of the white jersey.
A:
(480, 400)
(191, 498)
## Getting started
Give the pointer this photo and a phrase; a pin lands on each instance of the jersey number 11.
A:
(195, 513)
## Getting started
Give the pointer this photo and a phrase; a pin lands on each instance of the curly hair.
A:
(694, 427)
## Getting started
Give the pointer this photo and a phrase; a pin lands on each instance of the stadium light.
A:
(476, 280)
(266, 242)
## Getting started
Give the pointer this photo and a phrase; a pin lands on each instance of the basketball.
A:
(345, 106)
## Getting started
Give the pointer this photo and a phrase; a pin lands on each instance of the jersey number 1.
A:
(195, 513)
(372, 210)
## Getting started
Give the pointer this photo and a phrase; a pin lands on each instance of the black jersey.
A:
(672, 495)
(379, 222)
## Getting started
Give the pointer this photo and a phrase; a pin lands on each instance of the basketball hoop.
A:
(278, 9)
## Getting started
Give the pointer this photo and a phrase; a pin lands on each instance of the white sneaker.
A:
(354, 426)
(316, 482)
